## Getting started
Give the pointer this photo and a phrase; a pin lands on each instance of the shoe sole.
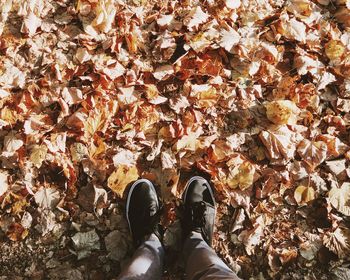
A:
(148, 182)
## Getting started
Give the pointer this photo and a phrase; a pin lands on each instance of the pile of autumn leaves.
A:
(254, 93)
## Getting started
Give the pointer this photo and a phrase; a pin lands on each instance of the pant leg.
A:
(146, 263)
(202, 263)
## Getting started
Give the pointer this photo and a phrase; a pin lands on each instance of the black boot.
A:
(199, 208)
(143, 211)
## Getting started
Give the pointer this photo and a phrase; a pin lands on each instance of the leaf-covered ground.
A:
(252, 94)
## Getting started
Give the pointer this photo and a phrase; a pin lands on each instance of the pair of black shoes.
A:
(143, 210)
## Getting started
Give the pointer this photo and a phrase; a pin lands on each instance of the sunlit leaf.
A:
(121, 177)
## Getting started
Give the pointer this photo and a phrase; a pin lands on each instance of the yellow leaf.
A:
(132, 42)
(8, 115)
(334, 49)
(38, 155)
(241, 174)
(304, 194)
(121, 177)
(95, 151)
(282, 112)
(19, 206)
(151, 92)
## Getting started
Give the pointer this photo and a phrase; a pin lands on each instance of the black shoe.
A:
(199, 208)
(143, 211)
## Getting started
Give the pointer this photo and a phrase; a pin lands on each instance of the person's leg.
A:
(147, 261)
(198, 225)
(202, 262)
(143, 215)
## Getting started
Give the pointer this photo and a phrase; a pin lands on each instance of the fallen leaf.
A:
(241, 173)
(17, 232)
(338, 241)
(336, 166)
(11, 144)
(334, 49)
(233, 4)
(252, 237)
(121, 177)
(116, 245)
(38, 155)
(30, 24)
(312, 152)
(85, 242)
(282, 112)
(195, 17)
(3, 182)
(280, 142)
(229, 39)
(340, 198)
(163, 71)
(78, 151)
(303, 194)
(82, 55)
(47, 198)
(125, 157)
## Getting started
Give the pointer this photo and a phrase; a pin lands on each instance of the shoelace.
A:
(154, 226)
(198, 212)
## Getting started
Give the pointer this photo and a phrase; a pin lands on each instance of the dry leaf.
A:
(195, 18)
(303, 194)
(312, 152)
(282, 112)
(78, 151)
(280, 142)
(251, 238)
(336, 166)
(163, 71)
(47, 198)
(125, 157)
(233, 4)
(340, 198)
(82, 55)
(3, 182)
(121, 177)
(85, 242)
(241, 173)
(338, 241)
(229, 39)
(38, 155)
(334, 49)
(116, 245)
(30, 24)
(11, 145)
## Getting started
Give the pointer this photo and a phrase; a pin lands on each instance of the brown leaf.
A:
(312, 152)
(338, 241)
